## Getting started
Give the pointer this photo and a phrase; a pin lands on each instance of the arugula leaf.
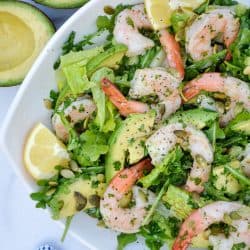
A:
(238, 175)
(155, 204)
(67, 226)
(171, 168)
(207, 64)
(103, 23)
(215, 132)
(125, 239)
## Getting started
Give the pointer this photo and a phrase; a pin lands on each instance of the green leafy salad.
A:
(155, 126)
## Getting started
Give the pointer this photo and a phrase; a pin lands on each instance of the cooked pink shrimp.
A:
(126, 30)
(238, 216)
(165, 139)
(77, 111)
(159, 82)
(209, 26)
(237, 90)
(127, 220)
(125, 106)
(173, 51)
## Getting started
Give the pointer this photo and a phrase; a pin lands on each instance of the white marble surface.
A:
(22, 226)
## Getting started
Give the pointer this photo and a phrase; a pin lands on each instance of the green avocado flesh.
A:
(128, 139)
(24, 31)
(17, 41)
(62, 4)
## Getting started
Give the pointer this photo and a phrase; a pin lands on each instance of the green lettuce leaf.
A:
(77, 79)
(125, 239)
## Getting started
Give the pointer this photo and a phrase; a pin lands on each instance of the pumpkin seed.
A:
(51, 191)
(181, 133)
(68, 174)
(74, 167)
(81, 201)
(47, 103)
(109, 10)
(53, 183)
(94, 200)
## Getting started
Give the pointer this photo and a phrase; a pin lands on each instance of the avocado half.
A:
(62, 4)
(24, 31)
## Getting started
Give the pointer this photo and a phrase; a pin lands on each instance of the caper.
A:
(81, 201)
(94, 200)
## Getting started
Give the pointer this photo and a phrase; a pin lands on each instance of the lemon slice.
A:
(42, 152)
(159, 13)
(189, 4)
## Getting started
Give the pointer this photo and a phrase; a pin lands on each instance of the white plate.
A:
(27, 109)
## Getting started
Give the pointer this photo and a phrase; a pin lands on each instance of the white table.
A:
(22, 226)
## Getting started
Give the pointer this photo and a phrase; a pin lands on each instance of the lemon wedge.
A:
(42, 152)
(189, 4)
(159, 13)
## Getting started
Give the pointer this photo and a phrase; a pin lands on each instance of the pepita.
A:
(68, 174)
(81, 201)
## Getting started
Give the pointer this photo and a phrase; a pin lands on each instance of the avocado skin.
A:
(57, 4)
(128, 130)
(109, 58)
(40, 16)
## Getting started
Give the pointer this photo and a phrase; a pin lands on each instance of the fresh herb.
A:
(125, 239)
(209, 64)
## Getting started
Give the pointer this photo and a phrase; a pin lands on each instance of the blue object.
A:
(46, 247)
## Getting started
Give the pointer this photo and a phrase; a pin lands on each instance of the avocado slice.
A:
(62, 4)
(109, 58)
(199, 118)
(76, 195)
(26, 31)
(240, 124)
(128, 135)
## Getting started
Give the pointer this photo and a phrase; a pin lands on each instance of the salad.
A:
(151, 126)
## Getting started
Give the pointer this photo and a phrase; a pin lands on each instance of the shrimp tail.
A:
(212, 82)
(173, 51)
(189, 229)
(126, 178)
(124, 106)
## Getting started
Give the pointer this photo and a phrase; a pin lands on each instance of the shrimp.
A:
(173, 52)
(116, 217)
(126, 30)
(125, 106)
(246, 160)
(215, 23)
(233, 213)
(77, 111)
(165, 139)
(157, 81)
(237, 90)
